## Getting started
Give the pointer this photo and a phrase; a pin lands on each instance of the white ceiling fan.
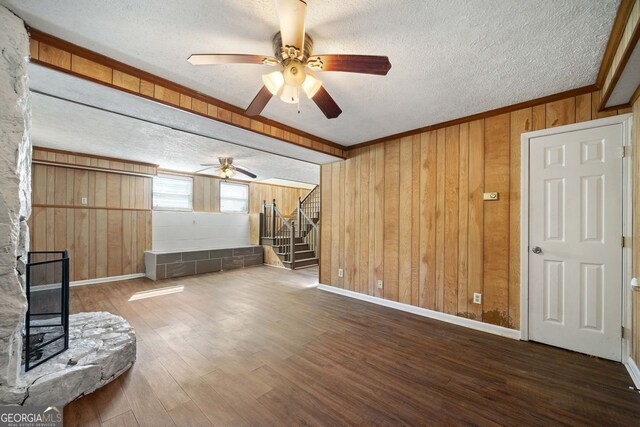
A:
(292, 50)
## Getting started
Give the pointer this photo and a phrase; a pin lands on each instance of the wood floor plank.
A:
(143, 401)
(111, 401)
(262, 346)
(166, 388)
(189, 415)
(82, 413)
(124, 420)
(242, 396)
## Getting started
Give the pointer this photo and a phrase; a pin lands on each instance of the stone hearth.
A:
(101, 347)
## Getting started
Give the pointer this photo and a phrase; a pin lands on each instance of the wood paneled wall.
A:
(107, 236)
(206, 198)
(636, 229)
(49, 155)
(286, 197)
(410, 212)
(206, 195)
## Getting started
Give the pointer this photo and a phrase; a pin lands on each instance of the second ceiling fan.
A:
(293, 54)
(226, 169)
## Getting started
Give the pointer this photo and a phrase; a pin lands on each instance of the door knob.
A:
(536, 250)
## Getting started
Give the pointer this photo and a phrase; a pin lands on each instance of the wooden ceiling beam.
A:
(61, 55)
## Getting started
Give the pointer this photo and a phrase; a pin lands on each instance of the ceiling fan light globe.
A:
(294, 73)
(311, 85)
(290, 94)
(273, 81)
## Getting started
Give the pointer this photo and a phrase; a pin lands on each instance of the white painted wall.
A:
(198, 230)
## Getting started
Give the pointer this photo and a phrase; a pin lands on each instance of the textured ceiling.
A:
(61, 85)
(451, 58)
(73, 114)
(65, 125)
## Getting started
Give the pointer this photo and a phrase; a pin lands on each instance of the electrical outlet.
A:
(340, 272)
(477, 298)
(83, 201)
(379, 283)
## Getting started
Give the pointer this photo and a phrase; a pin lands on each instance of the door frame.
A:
(625, 120)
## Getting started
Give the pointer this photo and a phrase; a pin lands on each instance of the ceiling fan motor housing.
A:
(282, 53)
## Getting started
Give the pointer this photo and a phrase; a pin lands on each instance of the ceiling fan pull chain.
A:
(298, 89)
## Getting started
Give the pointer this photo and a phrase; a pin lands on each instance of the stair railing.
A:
(308, 230)
(311, 203)
(275, 226)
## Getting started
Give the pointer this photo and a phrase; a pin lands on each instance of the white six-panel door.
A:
(575, 231)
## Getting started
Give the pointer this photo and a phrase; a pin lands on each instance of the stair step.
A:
(302, 263)
(271, 241)
(299, 255)
(298, 247)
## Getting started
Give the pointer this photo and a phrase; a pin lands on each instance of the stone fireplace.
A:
(101, 345)
(15, 190)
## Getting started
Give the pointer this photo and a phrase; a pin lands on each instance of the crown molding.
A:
(479, 116)
(617, 31)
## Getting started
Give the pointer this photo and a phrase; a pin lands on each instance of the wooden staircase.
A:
(299, 230)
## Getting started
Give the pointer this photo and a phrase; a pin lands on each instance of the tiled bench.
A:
(166, 265)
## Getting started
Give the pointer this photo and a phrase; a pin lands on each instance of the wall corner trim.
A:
(444, 317)
(634, 372)
(99, 280)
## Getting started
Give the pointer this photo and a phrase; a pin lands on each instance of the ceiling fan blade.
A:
(210, 164)
(246, 172)
(291, 14)
(327, 105)
(365, 64)
(202, 170)
(229, 58)
(259, 102)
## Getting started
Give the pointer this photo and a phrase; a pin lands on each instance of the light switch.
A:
(491, 196)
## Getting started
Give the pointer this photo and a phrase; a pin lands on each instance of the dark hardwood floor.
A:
(262, 346)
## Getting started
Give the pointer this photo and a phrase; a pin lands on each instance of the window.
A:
(234, 197)
(173, 192)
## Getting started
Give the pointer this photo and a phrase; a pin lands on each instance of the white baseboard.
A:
(633, 370)
(107, 279)
(449, 318)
